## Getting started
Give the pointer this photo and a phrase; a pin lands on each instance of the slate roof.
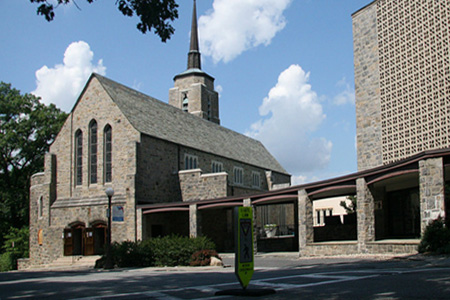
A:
(161, 120)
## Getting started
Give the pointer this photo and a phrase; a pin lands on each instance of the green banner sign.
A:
(244, 261)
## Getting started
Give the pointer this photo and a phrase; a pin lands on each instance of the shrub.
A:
(176, 250)
(171, 250)
(436, 238)
(203, 257)
(15, 247)
(131, 254)
(17, 241)
(7, 262)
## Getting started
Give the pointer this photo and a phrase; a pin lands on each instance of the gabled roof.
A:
(161, 120)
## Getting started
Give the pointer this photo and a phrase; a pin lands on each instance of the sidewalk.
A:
(278, 260)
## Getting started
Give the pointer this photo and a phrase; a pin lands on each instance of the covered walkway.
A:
(395, 203)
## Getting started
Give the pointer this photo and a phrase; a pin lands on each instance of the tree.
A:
(350, 208)
(16, 246)
(27, 128)
(153, 14)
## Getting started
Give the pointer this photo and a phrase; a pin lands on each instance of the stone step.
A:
(74, 261)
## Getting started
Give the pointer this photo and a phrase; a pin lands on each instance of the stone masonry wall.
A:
(95, 104)
(65, 202)
(305, 222)
(365, 212)
(200, 91)
(157, 171)
(367, 88)
(197, 186)
(42, 184)
(276, 180)
(432, 199)
(205, 164)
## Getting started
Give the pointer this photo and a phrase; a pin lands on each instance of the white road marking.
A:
(333, 278)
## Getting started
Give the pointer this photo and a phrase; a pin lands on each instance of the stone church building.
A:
(174, 169)
(149, 152)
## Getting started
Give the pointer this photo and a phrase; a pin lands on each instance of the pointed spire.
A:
(194, 61)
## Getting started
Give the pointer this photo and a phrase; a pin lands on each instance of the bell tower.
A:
(193, 90)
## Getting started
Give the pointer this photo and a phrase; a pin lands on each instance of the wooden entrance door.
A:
(68, 242)
(99, 239)
(74, 240)
(89, 241)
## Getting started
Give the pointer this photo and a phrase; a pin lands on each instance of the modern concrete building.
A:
(402, 79)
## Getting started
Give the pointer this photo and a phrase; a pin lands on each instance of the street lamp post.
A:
(108, 261)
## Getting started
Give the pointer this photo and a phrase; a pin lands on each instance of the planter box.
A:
(270, 232)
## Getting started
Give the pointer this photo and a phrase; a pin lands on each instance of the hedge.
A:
(168, 251)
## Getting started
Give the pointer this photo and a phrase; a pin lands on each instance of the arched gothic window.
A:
(78, 157)
(93, 152)
(107, 160)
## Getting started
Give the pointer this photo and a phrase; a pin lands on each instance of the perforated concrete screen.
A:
(402, 79)
(413, 42)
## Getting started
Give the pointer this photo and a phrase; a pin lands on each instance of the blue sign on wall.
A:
(117, 215)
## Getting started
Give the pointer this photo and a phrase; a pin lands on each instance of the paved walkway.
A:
(281, 260)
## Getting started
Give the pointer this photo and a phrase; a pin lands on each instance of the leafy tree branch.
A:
(27, 128)
(152, 14)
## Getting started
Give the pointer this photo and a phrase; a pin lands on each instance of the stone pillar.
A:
(432, 199)
(365, 213)
(194, 221)
(305, 221)
(139, 224)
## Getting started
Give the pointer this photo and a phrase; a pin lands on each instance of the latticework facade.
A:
(412, 41)
(414, 76)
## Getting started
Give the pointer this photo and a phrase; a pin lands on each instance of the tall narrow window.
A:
(190, 162)
(93, 152)
(78, 157)
(40, 207)
(107, 136)
(216, 167)
(185, 106)
(238, 175)
(209, 108)
(256, 180)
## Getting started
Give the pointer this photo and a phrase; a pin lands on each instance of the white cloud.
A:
(234, 26)
(298, 179)
(291, 113)
(345, 96)
(63, 83)
(219, 89)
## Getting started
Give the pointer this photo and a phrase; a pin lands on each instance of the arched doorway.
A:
(79, 240)
(74, 239)
(98, 238)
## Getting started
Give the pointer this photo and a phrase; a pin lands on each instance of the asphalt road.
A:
(414, 277)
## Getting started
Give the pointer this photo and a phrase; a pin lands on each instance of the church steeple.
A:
(193, 90)
(194, 59)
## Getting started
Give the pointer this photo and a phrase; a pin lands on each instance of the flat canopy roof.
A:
(339, 186)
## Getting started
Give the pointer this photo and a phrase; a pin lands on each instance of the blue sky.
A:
(283, 69)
